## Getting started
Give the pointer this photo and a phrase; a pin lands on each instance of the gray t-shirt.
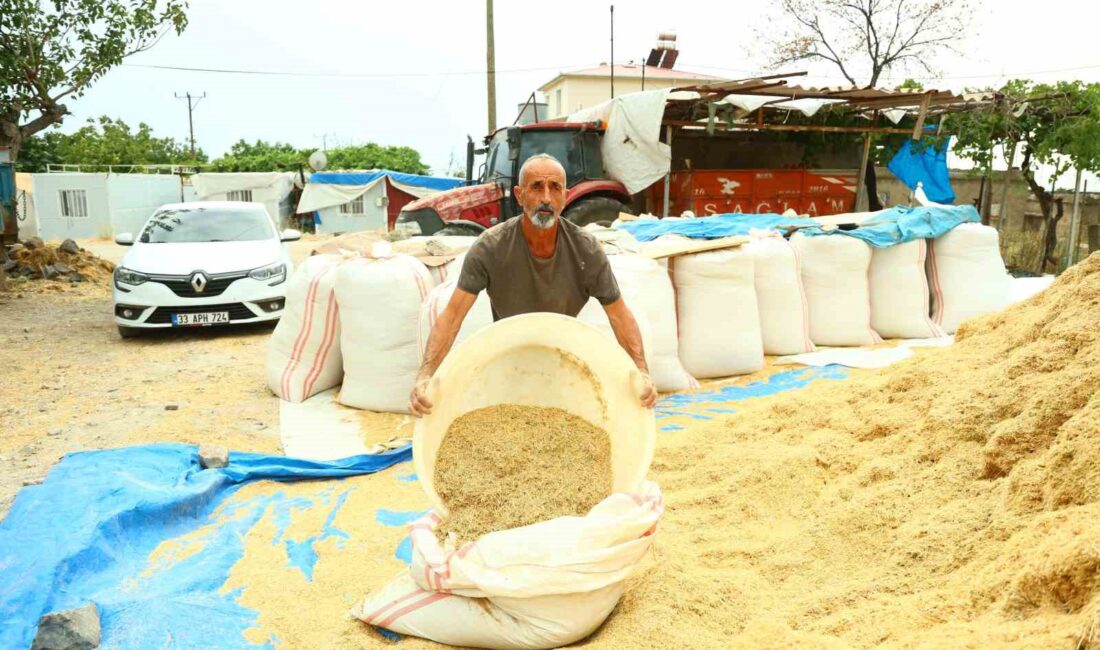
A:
(501, 263)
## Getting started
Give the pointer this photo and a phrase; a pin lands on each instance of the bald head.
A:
(541, 190)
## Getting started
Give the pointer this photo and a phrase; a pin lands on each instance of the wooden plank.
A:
(921, 114)
(669, 248)
(793, 127)
(626, 216)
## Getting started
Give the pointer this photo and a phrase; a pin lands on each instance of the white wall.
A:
(373, 217)
(47, 199)
(134, 197)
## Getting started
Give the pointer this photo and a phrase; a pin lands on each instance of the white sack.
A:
(647, 290)
(479, 316)
(380, 303)
(544, 586)
(719, 323)
(594, 314)
(835, 277)
(303, 354)
(967, 275)
(899, 292)
(784, 312)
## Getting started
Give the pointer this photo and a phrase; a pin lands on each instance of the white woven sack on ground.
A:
(594, 314)
(777, 277)
(479, 316)
(835, 271)
(303, 354)
(967, 275)
(899, 292)
(380, 302)
(453, 268)
(648, 292)
(718, 320)
(541, 586)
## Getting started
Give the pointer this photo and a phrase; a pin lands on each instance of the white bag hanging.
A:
(303, 354)
(719, 323)
(777, 277)
(540, 586)
(899, 292)
(967, 275)
(647, 290)
(835, 277)
(479, 316)
(380, 302)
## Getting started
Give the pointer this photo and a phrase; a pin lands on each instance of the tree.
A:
(1053, 125)
(264, 156)
(866, 38)
(103, 142)
(50, 51)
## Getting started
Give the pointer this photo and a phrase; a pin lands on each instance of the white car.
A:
(202, 264)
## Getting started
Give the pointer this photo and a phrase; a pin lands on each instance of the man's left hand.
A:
(649, 391)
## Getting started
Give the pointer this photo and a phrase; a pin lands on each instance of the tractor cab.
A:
(487, 198)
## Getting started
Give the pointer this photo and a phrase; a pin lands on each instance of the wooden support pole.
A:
(668, 176)
(861, 177)
(804, 128)
(1074, 223)
(921, 114)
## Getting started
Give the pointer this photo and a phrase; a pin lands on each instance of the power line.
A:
(338, 75)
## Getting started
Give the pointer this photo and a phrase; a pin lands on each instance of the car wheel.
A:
(600, 210)
(458, 229)
(127, 332)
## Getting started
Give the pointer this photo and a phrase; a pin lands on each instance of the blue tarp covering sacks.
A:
(927, 166)
(439, 183)
(85, 534)
(888, 227)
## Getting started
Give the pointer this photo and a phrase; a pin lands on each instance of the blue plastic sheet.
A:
(723, 225)
(86, 532)
(903, 223)
(440, 183)
(928, 167)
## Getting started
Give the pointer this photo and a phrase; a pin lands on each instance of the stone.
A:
(33, 243)
(211, 456)
(49, 272)
(171, 407)
(77, 276)
(69, 246)
(56, 431)
(10, 265)
(62, 268)
(73, 629)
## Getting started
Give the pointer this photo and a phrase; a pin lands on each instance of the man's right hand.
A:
(419, 404)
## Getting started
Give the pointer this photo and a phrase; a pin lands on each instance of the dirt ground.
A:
(71, 384)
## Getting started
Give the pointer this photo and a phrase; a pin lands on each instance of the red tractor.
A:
(482, 203)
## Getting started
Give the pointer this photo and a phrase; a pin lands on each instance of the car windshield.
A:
(203, 224)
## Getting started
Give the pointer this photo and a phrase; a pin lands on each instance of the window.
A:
(239, 195)
(200, 223)
(354, 206)
(500, 167)
(74, 203)
(557, 104)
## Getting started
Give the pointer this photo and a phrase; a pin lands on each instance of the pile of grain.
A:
(508, 466)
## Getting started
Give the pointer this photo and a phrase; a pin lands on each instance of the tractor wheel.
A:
(458, 229)
(601, 210)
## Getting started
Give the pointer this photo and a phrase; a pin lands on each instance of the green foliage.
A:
(1055, 124)
(105, 141)
(262, 156)
(56, 49)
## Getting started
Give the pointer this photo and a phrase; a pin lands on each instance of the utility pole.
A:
(190, 109)
(490, 64)
(612, 51)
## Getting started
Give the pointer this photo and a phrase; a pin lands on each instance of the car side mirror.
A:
(124, 239)
(290, 234)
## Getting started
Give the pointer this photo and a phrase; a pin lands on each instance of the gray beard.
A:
(542, 223)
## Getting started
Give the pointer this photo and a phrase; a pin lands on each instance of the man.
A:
(536, 262)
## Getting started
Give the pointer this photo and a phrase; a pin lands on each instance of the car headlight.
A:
(276, 272)
(124, 275)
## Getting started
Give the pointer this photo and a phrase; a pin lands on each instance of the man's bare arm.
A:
(440, 340)
(630, 338)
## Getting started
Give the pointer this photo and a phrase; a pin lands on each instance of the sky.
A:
(412, 73)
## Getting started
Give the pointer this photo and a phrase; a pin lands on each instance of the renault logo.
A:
(198, 282)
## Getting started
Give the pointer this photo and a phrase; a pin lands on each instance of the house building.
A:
(576, 89)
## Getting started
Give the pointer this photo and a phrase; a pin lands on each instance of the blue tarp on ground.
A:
(888, 227)
(85, 534)
(927, 166)
(439, 183)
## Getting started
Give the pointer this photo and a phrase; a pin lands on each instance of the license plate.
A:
(202, 318)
